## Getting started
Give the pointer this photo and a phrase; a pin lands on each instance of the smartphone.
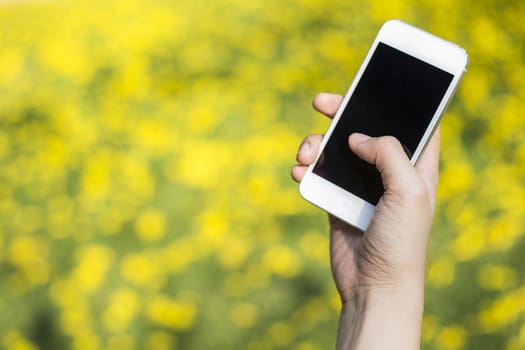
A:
(401, 89)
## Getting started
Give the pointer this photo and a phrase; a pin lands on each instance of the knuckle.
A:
(389, 141)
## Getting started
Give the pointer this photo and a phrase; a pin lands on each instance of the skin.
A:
(380, 273)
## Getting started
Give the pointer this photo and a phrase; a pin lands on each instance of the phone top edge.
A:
(424, 45)
(397, 23)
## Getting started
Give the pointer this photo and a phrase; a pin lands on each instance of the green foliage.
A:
(145, 198)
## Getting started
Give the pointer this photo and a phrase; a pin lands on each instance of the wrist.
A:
(382, 317)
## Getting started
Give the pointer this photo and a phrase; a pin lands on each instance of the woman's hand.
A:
(386, 263)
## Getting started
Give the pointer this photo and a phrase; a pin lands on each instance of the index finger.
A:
(327, 103)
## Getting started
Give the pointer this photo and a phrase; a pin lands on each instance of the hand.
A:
(389, 258)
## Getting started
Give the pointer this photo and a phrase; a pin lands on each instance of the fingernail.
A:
(358, 137)
(305, 147)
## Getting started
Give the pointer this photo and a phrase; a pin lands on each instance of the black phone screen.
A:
(397, 95)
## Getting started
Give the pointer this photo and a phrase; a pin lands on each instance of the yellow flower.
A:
(205, 164)
(213, 226)
(441, 272)
(141, 269)
(234, 251)
(503, 311)
(123, 306)
(382, 11)
(29, 254)
(150, 225)
(178, 315)
(93, 262)
(86, 339)
(456, 177)
(96, 181)
(497, 277)
(471, 242)
(282, 261)
(475, 89)
(13, 340)
(451, 337)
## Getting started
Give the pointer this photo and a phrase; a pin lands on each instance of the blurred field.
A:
(145, 198)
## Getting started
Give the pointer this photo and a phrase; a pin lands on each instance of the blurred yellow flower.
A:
(451, 337)
(177, 255)
(93, 262)
(76, 319)
(96, 181)
(64, 55)
(503, 311)
(135, 176)
(202, 119)
(455, 177)
(441, 272)
(489, 38)
(141, 269)
(475, 89)
(282, 261)
(213, 226)
(150, 225)
(15, 341)
(205, 164)
(471, 241)
(497, 277)
(504, 231)
(11, 64)
(381, 12)
(29, 254)
(131, 80)
(178, 315)
(86, 340)
(234, 250)
(123, 305)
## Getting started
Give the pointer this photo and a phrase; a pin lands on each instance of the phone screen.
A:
(397, 95)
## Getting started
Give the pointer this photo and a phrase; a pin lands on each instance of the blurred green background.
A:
(145, 197)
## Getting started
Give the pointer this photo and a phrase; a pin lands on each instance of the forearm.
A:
(379, 319)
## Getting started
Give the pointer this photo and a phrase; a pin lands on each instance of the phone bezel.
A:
(417, 43)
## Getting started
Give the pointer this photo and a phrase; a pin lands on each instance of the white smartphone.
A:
(401, 89)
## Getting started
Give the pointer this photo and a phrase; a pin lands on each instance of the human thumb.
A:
(389, 157)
